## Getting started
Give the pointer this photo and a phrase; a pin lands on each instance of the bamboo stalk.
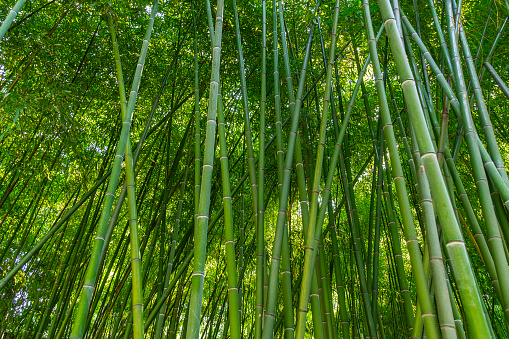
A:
(202, 220)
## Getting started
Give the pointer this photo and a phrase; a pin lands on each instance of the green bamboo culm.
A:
(137, 288)
(283, 202)
(197, 139)
(311, 240)
(462, 267)
(424, 298)
(260, 229)
(10, 18)
(330, 176)
(252, 177)
(286, 273)
(231, 266)
(92, 272)
(202, 220)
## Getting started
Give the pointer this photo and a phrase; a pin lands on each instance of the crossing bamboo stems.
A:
(35, 249)
(463, 197)
(355, 229)
(492, 49)
(330, 175)
(169, 267)
(250, 150)
(311, 242)
(283, 203)
(438, 272)
(443, 44)
(251, 169)
(481, 105)
(495, 243)
(93, 267)
(110, 315)
(137, 288)
(461, 263)
(397, 173)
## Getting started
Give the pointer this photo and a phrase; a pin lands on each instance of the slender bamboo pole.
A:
(231, 266)
(200, 229)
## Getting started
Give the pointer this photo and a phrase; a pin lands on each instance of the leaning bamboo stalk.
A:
(397, 173)
(10, 18)
(260, 209)
(478, 235)
(339, 274)
(492, 49)
(427, 89)
(155, 309)
(35, 249)
(500, 83)
(378, 174)
(483, 35)
(493, 173)
(252, 172)
(481, 106)
(330, 175)
(67, 261)
(326, 296)
(396, 248)
(450, 175)
(93, 267)
(324, 321)
(197, 131)
(355, 230)
(434, 67)
(171, 259)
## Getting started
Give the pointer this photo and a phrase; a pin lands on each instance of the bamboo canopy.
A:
(254, 169)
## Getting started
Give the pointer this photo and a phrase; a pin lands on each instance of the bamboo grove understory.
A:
(254, 169)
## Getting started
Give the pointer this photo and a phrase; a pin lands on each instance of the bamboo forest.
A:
(254, 169)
